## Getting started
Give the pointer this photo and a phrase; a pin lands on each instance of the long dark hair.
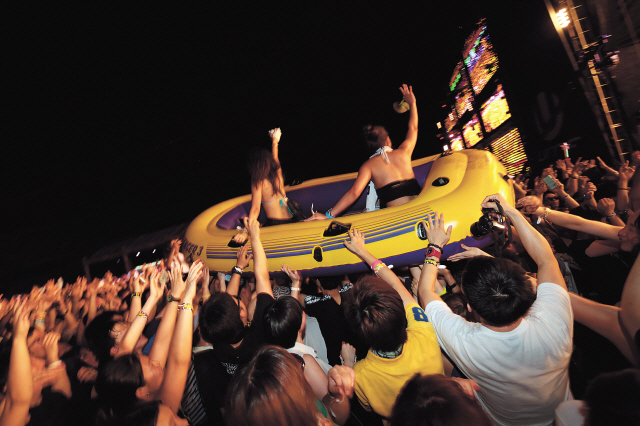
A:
(116, 385)
(262, 166)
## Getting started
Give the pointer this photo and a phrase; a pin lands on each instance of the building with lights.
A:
(478, 113)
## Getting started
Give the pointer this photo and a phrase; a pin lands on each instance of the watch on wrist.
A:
(170, 299)
(432, 252)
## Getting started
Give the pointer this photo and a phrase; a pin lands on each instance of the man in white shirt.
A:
(519, 352)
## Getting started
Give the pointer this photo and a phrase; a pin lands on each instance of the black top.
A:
(399, 189)
(215, 367)
(333, 324)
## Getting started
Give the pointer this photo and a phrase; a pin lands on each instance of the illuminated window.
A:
(510, 150)
(472, 131)
(463, 102)
(456, 141)
(495, 110)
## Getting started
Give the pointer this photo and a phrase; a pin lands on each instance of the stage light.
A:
(439, 125)
(138, 254)
(563, 18)
(445, 148)
(154, 250)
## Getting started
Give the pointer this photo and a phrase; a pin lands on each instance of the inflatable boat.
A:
(453, 184)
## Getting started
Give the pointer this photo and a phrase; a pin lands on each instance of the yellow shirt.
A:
(379, 380)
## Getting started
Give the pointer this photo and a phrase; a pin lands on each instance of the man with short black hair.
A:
(402, 342)
(519, 352)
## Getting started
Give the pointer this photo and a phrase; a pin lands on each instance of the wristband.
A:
(451, 287)
(612, 215)
(205, 296)
(432, 262)
(185, 307)
(136, 294)
(565, 197)
(623, 189)
(329, 214)
(143, 314)
(40, 316)
(435, 246)
(375, 263)
(378, 266)
(236, 270)
(444, 292)
(295, 288)
(58, 365)
(573, 177)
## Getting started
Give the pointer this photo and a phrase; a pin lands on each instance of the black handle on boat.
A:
(336, 228)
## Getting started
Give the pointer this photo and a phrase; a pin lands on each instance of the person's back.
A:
(519, 352)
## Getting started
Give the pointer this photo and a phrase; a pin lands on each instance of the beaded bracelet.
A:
(432, 262)
(144, 315)
(378, 267)
(185, 306)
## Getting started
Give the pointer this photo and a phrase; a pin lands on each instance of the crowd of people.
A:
(483, 337)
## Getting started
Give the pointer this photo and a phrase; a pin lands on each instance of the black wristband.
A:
(236, 270)
(435, 246)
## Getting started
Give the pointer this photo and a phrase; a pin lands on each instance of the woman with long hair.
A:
(390, 170)
(272, 390)
(267, 188)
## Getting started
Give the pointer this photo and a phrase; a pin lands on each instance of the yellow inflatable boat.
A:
(454, 184)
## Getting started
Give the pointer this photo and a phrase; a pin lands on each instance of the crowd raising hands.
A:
(488, 333)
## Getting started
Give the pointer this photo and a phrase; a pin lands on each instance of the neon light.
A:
(495, 110)
(510, 151)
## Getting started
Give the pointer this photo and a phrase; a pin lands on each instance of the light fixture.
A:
(445, 148)
(563, 18)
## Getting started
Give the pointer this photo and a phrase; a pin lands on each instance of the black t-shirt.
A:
(333, 324)
(215, 367)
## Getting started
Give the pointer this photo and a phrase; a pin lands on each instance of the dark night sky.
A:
(126, 120)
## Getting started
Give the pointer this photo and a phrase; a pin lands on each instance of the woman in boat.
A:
(389, 169)
(267, 188)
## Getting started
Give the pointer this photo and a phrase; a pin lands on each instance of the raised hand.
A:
(529, 204)
(50, 343)
(561, 165)
(436, 233)
(275, 135)
(192, 280)
(356, 242)
(407, 94)
(243, 259)
(21, 322)
(156, 288)
(606, 206)
(626, 172)
(294, 275)
(468, 253)
(177, 284)
(252, 226)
